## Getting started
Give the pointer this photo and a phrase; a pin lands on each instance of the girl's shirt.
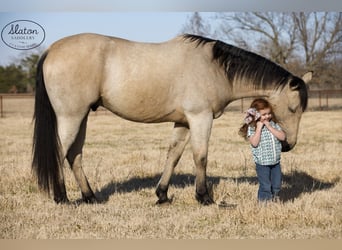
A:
(269, 148)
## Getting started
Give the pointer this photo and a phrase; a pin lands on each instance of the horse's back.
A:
(144, 82)
(129, 78)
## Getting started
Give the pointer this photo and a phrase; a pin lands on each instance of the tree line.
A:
(19, 77)
(297, 41)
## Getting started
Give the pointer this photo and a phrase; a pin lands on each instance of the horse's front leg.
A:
(200, 129)
(180, 138)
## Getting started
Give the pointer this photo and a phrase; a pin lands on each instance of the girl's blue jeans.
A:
(269, 178)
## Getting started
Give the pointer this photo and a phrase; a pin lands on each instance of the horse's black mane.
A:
(242, 63)
(239, 63)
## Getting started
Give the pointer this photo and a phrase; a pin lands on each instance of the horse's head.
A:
(288, 106)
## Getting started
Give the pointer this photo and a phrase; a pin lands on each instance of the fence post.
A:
(1, 108)
(319, 100)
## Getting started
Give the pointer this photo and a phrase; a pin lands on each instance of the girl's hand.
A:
(255, 138)
(259, 125)
(266, 123)
(279, 134)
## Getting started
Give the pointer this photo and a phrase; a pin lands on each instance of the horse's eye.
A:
(292, 110)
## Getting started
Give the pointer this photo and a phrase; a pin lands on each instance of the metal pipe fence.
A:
(23, 104)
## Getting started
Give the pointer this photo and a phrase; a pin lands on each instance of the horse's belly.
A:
(147, 110)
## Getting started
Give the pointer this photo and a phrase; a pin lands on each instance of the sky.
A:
(137, 26)
(138, 20)
(169, 5)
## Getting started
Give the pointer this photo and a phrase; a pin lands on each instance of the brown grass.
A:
(124, 160)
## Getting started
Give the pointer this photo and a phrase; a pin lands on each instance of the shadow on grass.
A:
(298, 182)
(294, 184)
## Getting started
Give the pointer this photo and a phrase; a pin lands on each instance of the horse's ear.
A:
(307, 76)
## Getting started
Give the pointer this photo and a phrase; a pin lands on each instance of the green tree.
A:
(20, 76)
(29, 65)
(12, 76)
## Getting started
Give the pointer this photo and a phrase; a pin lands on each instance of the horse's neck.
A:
(245, 91)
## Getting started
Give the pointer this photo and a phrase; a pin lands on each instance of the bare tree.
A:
(312, 40)
(268, 33)
(196, 25)
(319, 35)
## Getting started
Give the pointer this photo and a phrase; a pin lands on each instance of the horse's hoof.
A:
(162, 195)
(90, 200)
(204, 199)
(61, 200)
(207, 202)
(162, 202)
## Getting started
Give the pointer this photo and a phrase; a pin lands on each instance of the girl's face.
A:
(265, 114)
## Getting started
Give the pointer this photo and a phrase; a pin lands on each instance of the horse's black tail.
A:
(46, 147)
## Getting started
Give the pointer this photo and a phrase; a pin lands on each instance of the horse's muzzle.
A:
(285, 146)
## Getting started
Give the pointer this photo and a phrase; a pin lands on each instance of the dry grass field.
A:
(124, 160)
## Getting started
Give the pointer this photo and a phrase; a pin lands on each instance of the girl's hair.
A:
(257, 104)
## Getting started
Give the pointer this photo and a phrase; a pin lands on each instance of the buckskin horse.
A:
(188, 81)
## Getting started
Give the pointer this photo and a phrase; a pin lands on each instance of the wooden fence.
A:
(16, 103)
(324, 96)
(325, 99)
(23, 104)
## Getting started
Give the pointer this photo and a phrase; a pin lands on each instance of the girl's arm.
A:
(279, 134)
(255, 138)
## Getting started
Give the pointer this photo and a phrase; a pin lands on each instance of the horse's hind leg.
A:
(74, 157)
(180, 138)
(59, 191)
(68, 130)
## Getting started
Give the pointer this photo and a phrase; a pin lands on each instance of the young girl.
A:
(264, 134)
